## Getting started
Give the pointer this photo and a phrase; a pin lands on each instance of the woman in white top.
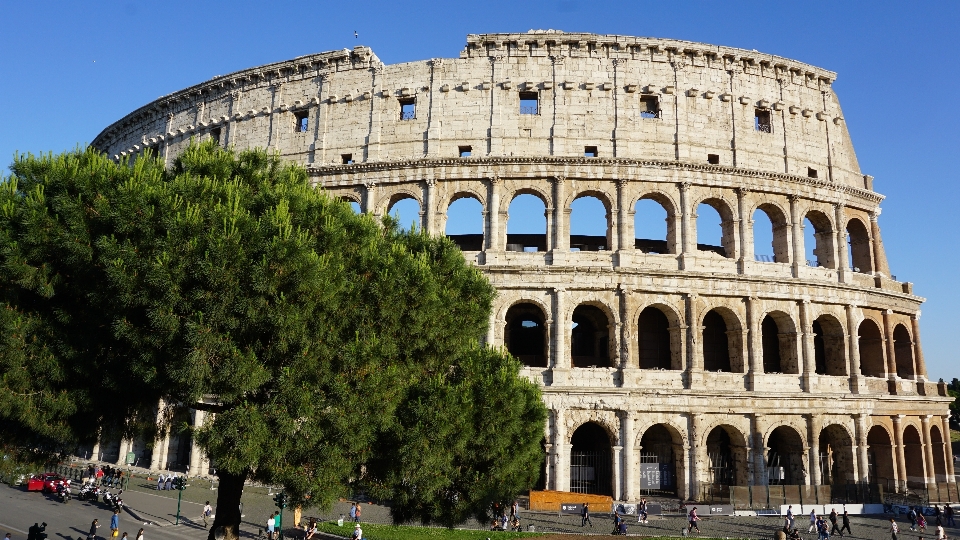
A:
(140, 534)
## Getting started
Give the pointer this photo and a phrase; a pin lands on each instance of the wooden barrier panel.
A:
(550, 501)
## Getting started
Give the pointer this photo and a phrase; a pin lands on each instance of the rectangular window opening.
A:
(713, 159)
(408, 109)
(303, 120)
(215, 136)
(465, 151)
(590, 151)
(811, 172)
(529, 103)
(761, 121)
(347, 159)
(649, 107)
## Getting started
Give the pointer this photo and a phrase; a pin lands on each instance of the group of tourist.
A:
(166, 482)
(107, 476)
(501, 522)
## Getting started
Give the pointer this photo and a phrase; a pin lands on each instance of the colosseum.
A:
(709, 369)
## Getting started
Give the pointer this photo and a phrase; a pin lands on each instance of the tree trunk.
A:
(226, 524)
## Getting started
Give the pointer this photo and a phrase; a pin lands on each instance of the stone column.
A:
(621, 239)
(814, 425)
(493, 216)
(95, 452)
(853, 349)
(919, 365)
(124, 448)
(809, 364)
(796, 227)
(891, 351)
(196, 454)
(843, 262)
(948, 448)
(754, 355)
(562, 456)
(629, 458)
(929, 476)
(755, 441)
(429, 211)
(561, 359)
(685, 232)
(862, 447)
(898, 443)
(694, 357)
(697, 454)
(617, 473)
(164, 449)
(746, 246)
(879, 260)
(561, 239)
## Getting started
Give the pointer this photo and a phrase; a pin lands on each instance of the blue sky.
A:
(71, 68)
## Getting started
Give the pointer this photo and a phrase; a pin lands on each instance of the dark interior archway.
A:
(939, 456)
(590, 338)
(828, 346)
(727, 457)
(859, 249)
(836, 456)
(871, 349)
(590, 460)
(525, 334)
(654, 334)
(880, 458)
(779, 344)
(659, 449)
(785, 458)
(913, 456)
(903, 350)
(716, 347)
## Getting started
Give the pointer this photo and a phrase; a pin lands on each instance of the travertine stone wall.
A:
(849, 381)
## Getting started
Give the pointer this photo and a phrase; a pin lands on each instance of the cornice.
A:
(576, 161)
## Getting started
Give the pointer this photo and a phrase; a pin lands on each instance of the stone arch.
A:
(784, 457)
(584, 242)
(939, 455)
(903, 352)
(780, 232)
(824, 239)
(525, 333)
(526, 241)
(591, 459)
(662, 444)
(721, 339)
(880, 457)
(400, 194)
(829, 350)
(657, 339)
(870, 341)
(913, 457)
(544, 196)
(655, 245)
(591, 335)
(836, 456)
(349, 197)
(728, 232)
(861, 250)
(467, 241)
(779, 343)
(727, 456)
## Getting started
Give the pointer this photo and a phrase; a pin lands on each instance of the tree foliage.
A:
(332, 349)
(953, 389)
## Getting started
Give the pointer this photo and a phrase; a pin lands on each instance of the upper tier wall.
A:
(591, 91)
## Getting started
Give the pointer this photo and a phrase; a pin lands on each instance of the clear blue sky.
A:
(71, 68)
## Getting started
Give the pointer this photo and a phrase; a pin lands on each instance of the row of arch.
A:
(783, 457)
(593, 341)
(659, 226)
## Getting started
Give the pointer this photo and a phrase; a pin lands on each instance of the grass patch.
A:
(954, 435)
(374, 531)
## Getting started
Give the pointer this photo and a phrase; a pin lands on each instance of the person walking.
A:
(271, 523)
(160, 481)
(139, 534)
(515, 510)
(921, 521)
(789, 518)
(912, 515)
(642, 511)
(694, 518)
(207, 512)
(353, 512)
(585, 516)
(893, 529)
(939, 515)
(115, 523)
(356, 517)
(834, 528)
(846, 523)
(92, 535)
(813, 521)
(941, 534)
(124, 537)
(948, 513)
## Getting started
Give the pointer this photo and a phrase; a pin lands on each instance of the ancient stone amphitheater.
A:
(721, 371)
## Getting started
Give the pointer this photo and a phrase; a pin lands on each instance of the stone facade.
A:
(720, 368)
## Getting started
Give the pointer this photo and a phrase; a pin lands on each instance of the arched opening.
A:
(525, 334)
(654, 330)
(715, 231)
(828, 347)
(818, 239)
(785, 458)
(836, 457)
(527, 223)
(465, 223)
(880, 458)
(870, 341)
(859, 251)
(589, 224)
(590, 337)
(770, 235)
(590, 460)
(406, 210)
(913, 456)
(660, 452)
(727, 457)
(716, 343)
(354, 205)
(903, 351)
(779, 344)
(939, 456)
(652, 227)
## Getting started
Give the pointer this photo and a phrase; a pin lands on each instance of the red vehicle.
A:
(45, 482)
